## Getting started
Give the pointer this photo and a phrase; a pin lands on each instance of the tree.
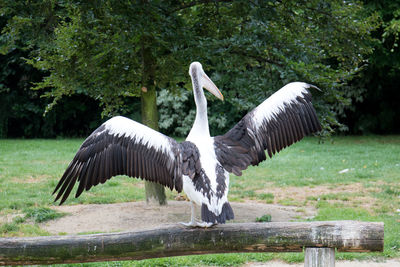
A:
(376, 108)
(112, 50)
(21, 109)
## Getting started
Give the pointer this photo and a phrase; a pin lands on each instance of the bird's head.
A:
(200, 79)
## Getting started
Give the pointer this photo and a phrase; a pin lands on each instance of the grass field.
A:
(346, 178)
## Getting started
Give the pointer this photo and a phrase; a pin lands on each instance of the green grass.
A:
(30, 169)
(19, 228)
(41, 214)
(268, 197)
(307, 163)
(264, 218)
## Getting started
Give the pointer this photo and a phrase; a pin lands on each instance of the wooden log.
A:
(176, 240)
(319, 257)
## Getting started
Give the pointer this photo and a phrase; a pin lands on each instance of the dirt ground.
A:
(138, 215)
(301, 194)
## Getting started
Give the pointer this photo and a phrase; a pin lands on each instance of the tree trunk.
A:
(155, 193)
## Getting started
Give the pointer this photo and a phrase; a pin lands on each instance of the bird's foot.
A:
(198, 224)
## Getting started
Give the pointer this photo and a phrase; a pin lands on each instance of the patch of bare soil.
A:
(8, 218)
(355, 191)
(138, 215)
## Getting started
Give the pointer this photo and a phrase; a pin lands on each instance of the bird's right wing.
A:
(121, 146)
(281, 120)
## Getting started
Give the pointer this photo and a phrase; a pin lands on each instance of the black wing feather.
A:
(105, 154)
(246, 142)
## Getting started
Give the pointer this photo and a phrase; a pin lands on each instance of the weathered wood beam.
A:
(319, 257)
(175, 240)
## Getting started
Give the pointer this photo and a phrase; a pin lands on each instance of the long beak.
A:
(211, 87)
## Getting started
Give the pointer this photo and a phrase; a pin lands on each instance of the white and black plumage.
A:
(200, 166)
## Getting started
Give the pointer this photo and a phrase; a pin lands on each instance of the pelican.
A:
(201, 164)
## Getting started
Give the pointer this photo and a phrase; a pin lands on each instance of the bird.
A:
(200, 165)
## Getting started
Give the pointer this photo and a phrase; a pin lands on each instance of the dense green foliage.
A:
(106, 51)
(376, 108)
(21, 109)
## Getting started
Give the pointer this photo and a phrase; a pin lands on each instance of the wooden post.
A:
(319, 257)
(177, 240)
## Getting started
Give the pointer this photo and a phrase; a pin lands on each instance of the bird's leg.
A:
(194, 222)
(193, 219)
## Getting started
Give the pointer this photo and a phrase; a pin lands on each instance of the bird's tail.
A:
(209, 216)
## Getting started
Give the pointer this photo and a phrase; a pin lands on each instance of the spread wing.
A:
(281, 120)
(121, 146)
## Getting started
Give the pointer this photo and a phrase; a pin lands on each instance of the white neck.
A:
(200, 126)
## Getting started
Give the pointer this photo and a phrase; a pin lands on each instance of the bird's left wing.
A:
(284, 118)
(121, 146)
